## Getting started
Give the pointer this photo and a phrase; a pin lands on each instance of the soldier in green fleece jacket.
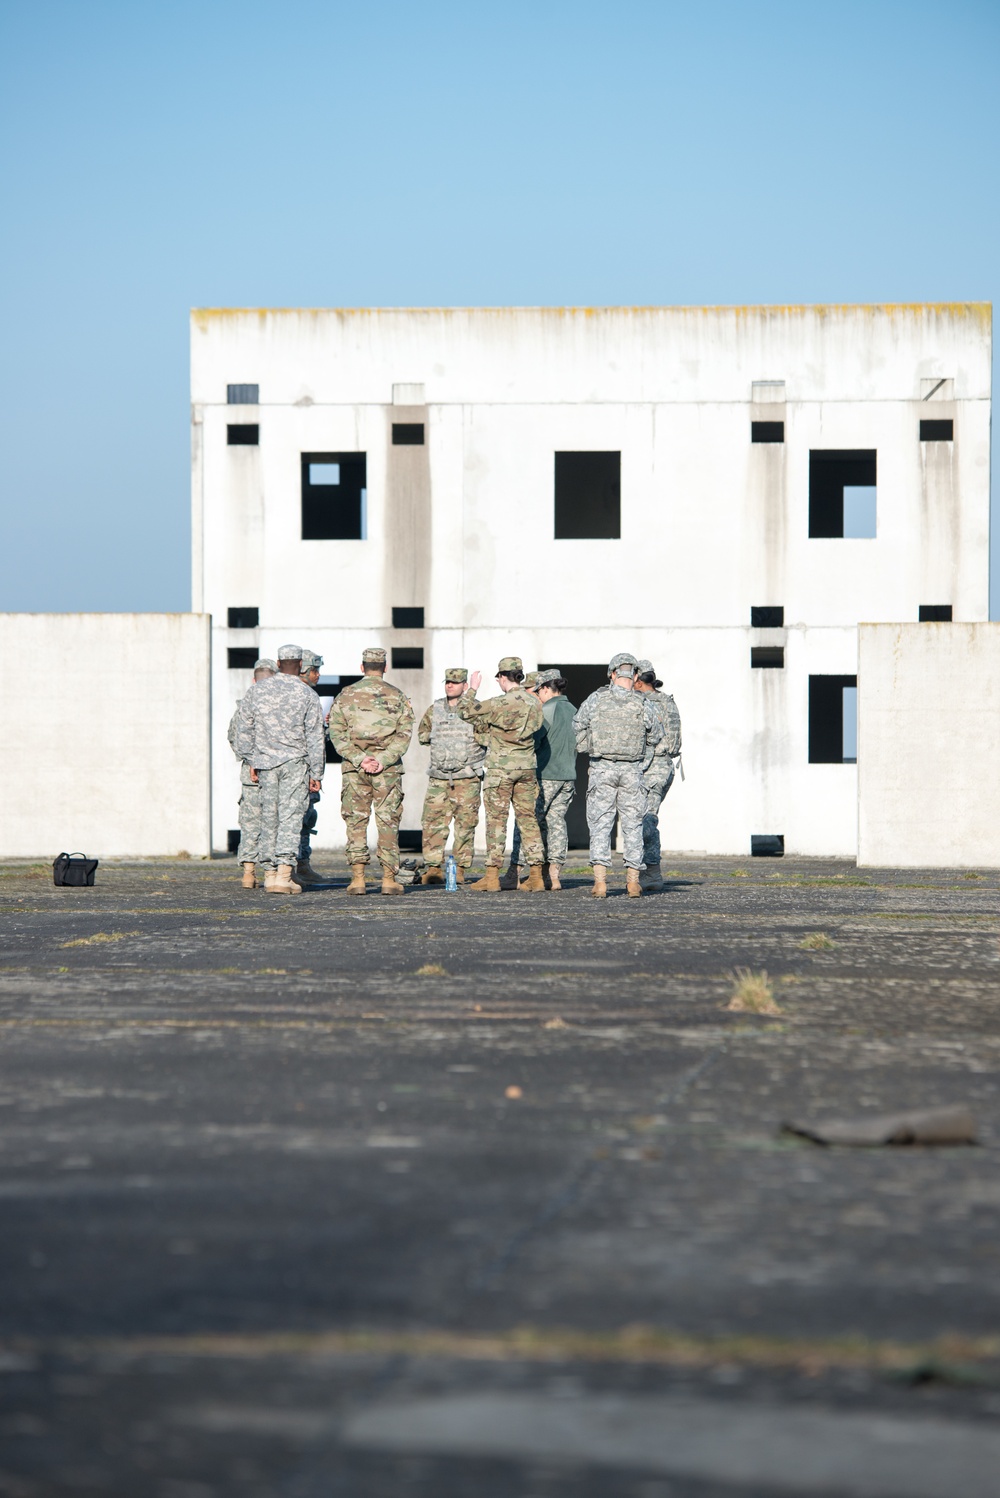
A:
(555, 751)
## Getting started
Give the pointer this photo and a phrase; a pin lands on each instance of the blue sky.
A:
(159, 157)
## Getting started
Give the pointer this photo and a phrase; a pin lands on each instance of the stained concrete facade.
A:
(712, 523)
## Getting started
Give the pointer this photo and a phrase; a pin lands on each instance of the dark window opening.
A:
(407, 618)
(246, 434)
(842, 494)
(767, 845)
(767, 431)
(937, 431)
(243, 618)
(407, 657)
(767, 616)
(934, 613)
(833, 706)
(232, 840)
(411, 840)
(328, 688)
(242, 395)
(334, 496)
(242, 657)
(407, 434)
(588, 497)
(580, 682)
(767, 656)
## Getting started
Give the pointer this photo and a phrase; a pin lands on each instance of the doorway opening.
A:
(580, 682)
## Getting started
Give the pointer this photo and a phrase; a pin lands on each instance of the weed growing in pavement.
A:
(99, 936)
(817, 941)
(752, 993)
(740, 873)
(432, 970)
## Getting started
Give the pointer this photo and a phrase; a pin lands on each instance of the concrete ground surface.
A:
(445, 1195)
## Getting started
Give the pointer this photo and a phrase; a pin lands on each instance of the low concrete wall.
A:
(105, 745)
(929, 745)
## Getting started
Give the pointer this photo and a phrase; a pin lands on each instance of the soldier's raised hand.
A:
(475, 681)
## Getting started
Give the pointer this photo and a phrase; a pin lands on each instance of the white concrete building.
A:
(728, 491)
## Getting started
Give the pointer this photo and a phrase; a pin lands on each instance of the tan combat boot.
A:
(651, 877)
(390, 884)
(600, 890)
(632, 885)
(432, 875)
(249, 876)
(283, 883)
(490, 882)
(270, 875)
(554, 872)
(459, 874)
(357, 884)
(509, 880)
(535, 881)
(306, 874)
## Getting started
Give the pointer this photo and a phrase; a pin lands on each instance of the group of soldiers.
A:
(518, 749)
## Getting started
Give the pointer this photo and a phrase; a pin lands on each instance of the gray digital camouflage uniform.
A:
(310, 661)
(620, 731)
(249, 803)
(658, 776)
(280, 732)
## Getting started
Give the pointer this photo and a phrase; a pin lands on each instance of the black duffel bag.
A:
(74, 868)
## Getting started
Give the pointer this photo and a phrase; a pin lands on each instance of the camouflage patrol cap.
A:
(547, 678)
(622, 664)
(373, 656)
(644, 668)
(509, 663)
(291, 653)
(310, 661)
(530, 682)
(266, 664)
(456, 673)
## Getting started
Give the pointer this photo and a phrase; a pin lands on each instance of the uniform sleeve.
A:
(393, 751)
(243, 739)
(340, 735)
(424, 730)
(233, 724)
(315, 738)
(473, 711)
(581, 727)
(654, 728)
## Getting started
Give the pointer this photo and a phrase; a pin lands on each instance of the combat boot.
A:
(357, 884)
(306, 874)
(632, 885)
(490, 882)
(554, 872)
(526, 883)
(249, 876)
(432, 875)
(600, 890)
(509, 880)
(534, 881)
(270, 875)
(283, 883)
(459, 874)
(651, 877)
(390, 884)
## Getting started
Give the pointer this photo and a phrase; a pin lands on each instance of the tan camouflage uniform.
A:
(509, 724)
(372, 717)
(456, 769)
(619, 730)
(280, 732)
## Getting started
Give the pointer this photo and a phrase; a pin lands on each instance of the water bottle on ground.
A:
(450, 878)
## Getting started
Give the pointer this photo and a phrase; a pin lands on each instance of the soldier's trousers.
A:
(615, 788)
(656, 782)
(447, 800)
(501, 790)
(360, 795)
(308, 827)
(249, 823)
(284, 796)
(551, 805)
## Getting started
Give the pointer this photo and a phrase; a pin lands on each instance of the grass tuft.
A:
(739, 873)
(752, 993)
(817, 941)
(432, 970)
(99, 936)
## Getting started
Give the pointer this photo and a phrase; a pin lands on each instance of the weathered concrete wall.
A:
(929, 745)
(105, 748)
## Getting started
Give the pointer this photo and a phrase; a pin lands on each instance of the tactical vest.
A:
(666, 710)
(618, 727)
(455, 753)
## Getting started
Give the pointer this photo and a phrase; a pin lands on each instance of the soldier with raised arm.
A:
(370, 725)
(456, 769)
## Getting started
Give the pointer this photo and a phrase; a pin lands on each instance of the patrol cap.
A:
(644, 668)
(509, 663)
(311, 661)
(547, 678)
(456, 673)
(373, 656)
(622, 664)
(266, 664)
(291, 653)
(530, 681)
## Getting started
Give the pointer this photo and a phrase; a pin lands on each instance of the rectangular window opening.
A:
(243, 434)
(242, 657)
(407, 657)
(242, 395)
(934, 613)
(407, 618)
(243, 618)
(580, 680)
(768, 657)
(767, 616)
(767, 845)
(937, 431)
(407, 434)
(588, 496)
(767, 431)
(334, 496)
(842, 494)
(833, 720)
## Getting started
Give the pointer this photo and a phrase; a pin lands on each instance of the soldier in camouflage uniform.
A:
(456, 769)
(249, 791)
(280, 732)
(510, 722)
(510, 880)
(658, 776)
(304, 871)
(370, 724)
(619, 729)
